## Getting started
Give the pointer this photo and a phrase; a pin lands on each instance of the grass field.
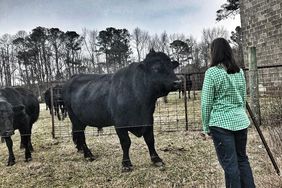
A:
(190, 161)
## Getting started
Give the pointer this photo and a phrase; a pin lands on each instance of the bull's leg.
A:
(29, 140)
(79, 136)
(75, 141)
(125, 144)
(21, 145)
(79, 141)
(55, 110)
(29, 144)
(189, 94)
(65, 112)
(150, 141)
(62, 111)
(58, 115)
(76, 128)
(87, 153)
(9, 144)
(25, 135)
(27, 148)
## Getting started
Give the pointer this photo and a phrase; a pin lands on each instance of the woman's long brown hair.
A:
(221, 53)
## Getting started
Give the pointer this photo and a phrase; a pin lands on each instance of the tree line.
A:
(48, 54)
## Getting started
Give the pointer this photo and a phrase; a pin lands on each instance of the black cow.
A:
(19, 109)
(187, 82)
(58, 103)
(125, 99)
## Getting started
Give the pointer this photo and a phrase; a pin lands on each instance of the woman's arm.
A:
(207, 100)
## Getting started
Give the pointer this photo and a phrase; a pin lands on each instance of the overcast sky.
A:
(155, 16)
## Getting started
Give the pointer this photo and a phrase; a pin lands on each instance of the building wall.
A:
(261, 22)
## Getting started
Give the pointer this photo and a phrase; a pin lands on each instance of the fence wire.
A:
(170, 113)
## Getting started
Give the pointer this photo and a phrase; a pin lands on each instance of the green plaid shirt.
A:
(223, 100)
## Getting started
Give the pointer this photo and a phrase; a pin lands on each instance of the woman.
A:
(224, 116)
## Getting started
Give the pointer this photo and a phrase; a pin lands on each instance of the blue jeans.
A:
(230, 148)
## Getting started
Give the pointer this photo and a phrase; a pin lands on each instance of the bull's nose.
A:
(177, 84)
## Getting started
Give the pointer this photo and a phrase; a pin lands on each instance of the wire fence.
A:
(270, 94)
(180, 111)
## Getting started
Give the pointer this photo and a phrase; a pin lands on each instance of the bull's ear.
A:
(142, 66)
(174, 64)
(18, 108)
(152, 50)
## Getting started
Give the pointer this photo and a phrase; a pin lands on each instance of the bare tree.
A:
(237, 43)
(73, 43)
(208, 36)
(5, 60)
(177, 36)
(56, 40)
(90, 43)
(164, 39)
(155, 43)
(140, 40)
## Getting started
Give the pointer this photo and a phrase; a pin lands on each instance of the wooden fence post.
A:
(253, 83)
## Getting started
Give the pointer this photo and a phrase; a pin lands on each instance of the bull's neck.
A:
(144, 89)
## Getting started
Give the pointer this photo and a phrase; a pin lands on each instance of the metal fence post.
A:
(52, 111)
(185, 103)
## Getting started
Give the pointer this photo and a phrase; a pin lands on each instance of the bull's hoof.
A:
(157, 161)
(159, 164)
(11, 163)
(79, 149)
(28, 159)
(127, 169)
(90, 158)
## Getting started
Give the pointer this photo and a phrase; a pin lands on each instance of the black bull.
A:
(58, 103)
(125, 99)
(186, 85)
(19, 109)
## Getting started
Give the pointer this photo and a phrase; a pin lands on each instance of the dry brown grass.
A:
(190, 161)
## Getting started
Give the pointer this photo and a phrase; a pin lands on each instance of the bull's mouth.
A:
(176, 85)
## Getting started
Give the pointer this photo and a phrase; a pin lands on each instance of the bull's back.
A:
(31, 103)
(86, 98)
(21, 96)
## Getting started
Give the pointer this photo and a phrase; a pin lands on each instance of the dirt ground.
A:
(190, 161)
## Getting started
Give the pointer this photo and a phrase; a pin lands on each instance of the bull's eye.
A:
(156, 68)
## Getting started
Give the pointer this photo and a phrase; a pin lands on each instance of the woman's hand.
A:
(205, 135)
